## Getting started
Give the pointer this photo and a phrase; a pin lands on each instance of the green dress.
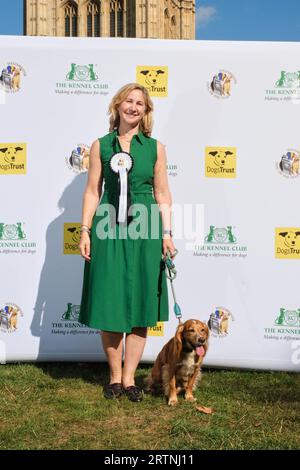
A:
(124, 285)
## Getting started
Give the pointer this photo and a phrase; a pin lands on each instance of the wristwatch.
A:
(168, 232)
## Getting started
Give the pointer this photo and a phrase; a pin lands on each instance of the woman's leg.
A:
(113, 348)
(134, 348)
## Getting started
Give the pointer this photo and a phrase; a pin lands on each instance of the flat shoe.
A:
(114, 390)
(133, 393)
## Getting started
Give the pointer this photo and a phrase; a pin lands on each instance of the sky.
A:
(226, 20)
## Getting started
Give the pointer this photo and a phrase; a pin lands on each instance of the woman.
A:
(124, 286)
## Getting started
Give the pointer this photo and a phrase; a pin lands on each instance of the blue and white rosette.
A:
(121, 163)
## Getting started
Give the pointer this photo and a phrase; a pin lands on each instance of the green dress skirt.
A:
(124, 285)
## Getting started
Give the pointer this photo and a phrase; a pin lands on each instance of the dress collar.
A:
(139, 137)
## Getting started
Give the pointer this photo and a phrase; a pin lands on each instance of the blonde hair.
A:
(146, 122)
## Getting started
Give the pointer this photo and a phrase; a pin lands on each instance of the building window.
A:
(116, 18)
(130, 18)
(93, 18)
(173, 21)
(71, 19)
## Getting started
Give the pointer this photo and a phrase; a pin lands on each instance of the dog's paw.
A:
(190, 398)
(172, 401)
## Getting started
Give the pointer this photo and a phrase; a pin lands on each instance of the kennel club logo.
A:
(11, 77)
(13, 239)
(12, 159)
(288, 318)
(287, 243)
(79, 159)
(68, 323)
(286, 87)
(221, 242)
(289, 164)
(221, 84)
(71, 238)
(172, 169)
(12, 232)
(154, 78)
(71, 313)
(10, 315)
(219, 321)
(286, 325)
(220, 162)
(82, 79)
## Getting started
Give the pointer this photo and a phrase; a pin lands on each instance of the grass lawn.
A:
(60, 406)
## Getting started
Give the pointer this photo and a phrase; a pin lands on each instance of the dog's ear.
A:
(213, 153)
(178, 340)
(144, 72)
(228, 152)
(297, 234)
(4, 150)
(159, 71)
(283, 234)
(18, 148)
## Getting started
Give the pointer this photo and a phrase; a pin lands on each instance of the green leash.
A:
(171, 274)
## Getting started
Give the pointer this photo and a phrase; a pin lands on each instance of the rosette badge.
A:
(121, 163)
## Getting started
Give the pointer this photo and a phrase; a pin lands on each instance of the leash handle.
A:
(171, 275)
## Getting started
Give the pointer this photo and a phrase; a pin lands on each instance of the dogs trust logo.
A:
(155, 79)
(71, 238)
(287, 87)
(287, 243)
(157, 330)
(79, 159)
(11, 77)
(289, 164)
(82, 79)
(12, 159)
(221, 84)
(218, 322)
(220, 162)
(10, 314)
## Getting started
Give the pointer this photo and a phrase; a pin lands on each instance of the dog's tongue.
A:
(200, 350)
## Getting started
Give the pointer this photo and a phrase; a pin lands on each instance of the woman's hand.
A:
(168, 245)
(85, 246)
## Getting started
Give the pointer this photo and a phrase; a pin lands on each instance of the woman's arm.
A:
(91, 197)
(161, 187)
(163, 196)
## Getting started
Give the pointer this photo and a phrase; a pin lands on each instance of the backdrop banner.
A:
(228, 114)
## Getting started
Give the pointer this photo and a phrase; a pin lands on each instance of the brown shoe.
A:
(114, 390)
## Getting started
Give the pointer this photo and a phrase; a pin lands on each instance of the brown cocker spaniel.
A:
(177, 366)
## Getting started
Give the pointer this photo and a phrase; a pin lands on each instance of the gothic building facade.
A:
(166, 19)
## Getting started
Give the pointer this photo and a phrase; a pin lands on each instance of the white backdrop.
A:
(244, 274)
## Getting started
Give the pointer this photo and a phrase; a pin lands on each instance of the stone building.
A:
(166, 19)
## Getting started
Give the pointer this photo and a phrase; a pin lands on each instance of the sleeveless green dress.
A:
(124, 285)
